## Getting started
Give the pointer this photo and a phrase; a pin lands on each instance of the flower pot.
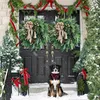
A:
(24, 88)
(24, 93)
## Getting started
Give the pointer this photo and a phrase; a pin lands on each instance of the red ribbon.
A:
(51, 2)
(40, 4)
(86, 7)
(13, 25)
(48, 2)
(30, 6)
(26, 75)
(86, 13)
(65, 9)
(33, 7)
(79, 2)
(57, 9)
(18, 40)
(12, 7)
(25, 6)
(16, 81)
(84, 73)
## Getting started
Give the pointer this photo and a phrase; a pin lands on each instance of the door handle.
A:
(52, 53)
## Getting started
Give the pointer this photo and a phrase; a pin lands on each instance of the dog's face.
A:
(55, 68)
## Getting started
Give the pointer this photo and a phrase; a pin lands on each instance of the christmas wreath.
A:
(33, 33)
(66, 34)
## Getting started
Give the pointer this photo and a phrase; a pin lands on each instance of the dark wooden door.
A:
(38, 62)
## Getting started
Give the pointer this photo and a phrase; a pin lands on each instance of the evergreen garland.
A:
(15, 5)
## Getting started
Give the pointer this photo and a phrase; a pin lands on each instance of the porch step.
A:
(39, 92)
(38, 88)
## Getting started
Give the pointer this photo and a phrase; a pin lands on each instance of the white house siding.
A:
(4, 17)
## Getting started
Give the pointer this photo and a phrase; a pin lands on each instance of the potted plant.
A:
(24, 88)
(24, 76)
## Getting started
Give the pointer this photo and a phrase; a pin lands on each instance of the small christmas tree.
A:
(90, 54)
(10, 51)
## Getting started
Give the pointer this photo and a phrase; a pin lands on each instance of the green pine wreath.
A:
(41, 29)
(71, 28)
(47, 33)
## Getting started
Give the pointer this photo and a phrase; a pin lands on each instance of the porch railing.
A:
(6, 78)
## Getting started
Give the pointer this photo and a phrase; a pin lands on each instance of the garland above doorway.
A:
(16, 5)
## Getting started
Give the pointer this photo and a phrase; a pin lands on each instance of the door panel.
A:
(39, 67)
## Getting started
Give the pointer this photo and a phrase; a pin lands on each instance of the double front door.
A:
(38, 62)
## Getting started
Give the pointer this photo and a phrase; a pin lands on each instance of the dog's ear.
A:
(59, 66)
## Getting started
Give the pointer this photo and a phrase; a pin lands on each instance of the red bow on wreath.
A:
(25, 75)
(16, 81)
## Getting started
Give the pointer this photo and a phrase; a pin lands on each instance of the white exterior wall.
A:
(4, 17)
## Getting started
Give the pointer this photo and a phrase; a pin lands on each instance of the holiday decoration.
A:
(82, 87)
(65, 35)
(22, 81)
(29, 25)
(84, 74)
(16, 82)
(60, 30)
(40, 6)
(25, 75)
(90, 53)
(24, 88)
(34, 34)
(78, 3)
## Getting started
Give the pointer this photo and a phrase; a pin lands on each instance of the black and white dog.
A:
(55, 88)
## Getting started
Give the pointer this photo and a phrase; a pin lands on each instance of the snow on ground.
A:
(39, 92)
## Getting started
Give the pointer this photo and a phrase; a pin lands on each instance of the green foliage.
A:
(18, 4)
(41, 29)
(47, 33)
(81, 85)
(9, 50)
(24, 88)
(73, 35)
(90, 54)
